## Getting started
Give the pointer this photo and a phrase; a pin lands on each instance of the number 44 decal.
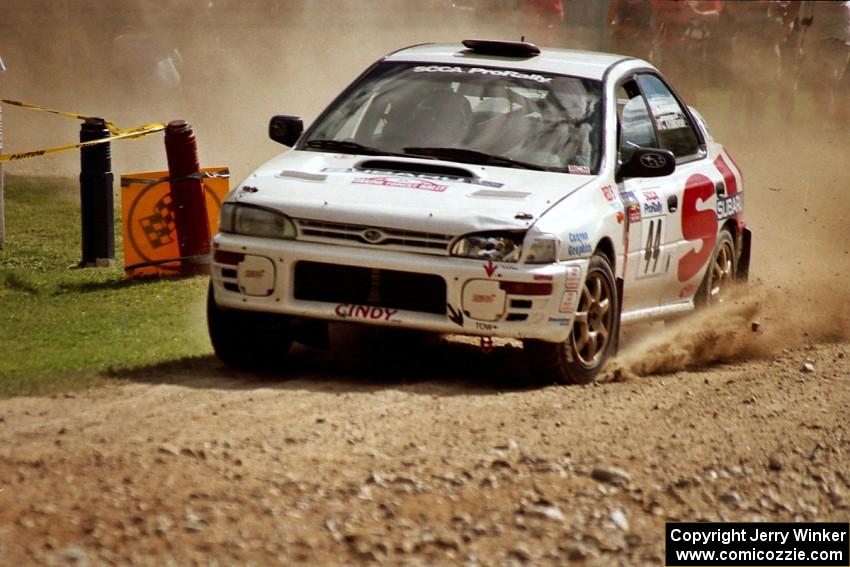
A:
(652, 250)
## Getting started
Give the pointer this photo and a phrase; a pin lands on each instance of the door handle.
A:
(672, 203)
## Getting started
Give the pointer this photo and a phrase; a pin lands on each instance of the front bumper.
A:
(409, 290)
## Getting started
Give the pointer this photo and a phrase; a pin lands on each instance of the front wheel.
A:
(248, 340)
(595, 328)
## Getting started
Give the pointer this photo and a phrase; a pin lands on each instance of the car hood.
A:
(413, 194)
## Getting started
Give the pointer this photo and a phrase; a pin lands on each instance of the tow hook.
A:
(486, 345)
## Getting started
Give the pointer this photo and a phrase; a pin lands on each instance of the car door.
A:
(651, 116)
(689, 195)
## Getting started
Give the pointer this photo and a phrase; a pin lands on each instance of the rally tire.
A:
(592, 339)
(248, 340)
(721, 274)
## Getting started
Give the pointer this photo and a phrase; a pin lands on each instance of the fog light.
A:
(224, 257)
(526, 288)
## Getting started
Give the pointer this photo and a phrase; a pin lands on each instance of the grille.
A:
(333, 283)
(358, 235)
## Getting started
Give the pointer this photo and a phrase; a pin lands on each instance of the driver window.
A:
(675, 131)
(635, 122)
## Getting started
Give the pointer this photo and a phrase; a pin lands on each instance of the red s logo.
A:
(697, 225)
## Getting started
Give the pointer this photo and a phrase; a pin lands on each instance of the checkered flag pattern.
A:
(160, 226)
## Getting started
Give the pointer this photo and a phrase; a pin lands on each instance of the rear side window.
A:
(672, 123)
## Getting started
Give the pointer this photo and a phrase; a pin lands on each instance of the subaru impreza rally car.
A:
(486, 188)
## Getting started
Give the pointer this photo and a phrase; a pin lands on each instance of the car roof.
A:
(587, 64)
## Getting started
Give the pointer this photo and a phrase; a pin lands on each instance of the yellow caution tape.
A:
(127, 134)
(117, 133)
(112, 127)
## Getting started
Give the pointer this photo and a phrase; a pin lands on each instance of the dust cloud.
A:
(226, 66)
(755, 322)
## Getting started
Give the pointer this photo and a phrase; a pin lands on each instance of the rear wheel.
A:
(720, 276)
(593, 337)
(248, 340)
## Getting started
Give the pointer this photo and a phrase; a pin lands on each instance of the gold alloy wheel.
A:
(594, 318)
(722, 273)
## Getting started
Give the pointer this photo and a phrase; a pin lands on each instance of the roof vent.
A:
(504, 48)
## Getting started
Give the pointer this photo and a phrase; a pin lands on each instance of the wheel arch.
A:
(742, 240)
(605, 247)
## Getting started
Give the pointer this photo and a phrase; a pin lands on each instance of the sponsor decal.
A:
(728, 176)
(490, 268)
(632, 206)
(365, 312)
(481, 71)
(543, 278)
(455, 315)
(579, 244)
(651, 203)
(670, 122)
(729, 206)
(568, 300)
(254, 273)
(578, 169)
(443, 178)
(562, 321)
(572, 279)
(485, 326)
(483, 298)
(611, 197)
(404, 183)
(653, 208)
(668, 115)
(699, 225)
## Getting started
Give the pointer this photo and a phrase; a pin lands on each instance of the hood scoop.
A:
(415, 167)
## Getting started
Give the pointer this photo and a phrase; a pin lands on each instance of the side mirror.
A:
(285, 129)
(648, 162)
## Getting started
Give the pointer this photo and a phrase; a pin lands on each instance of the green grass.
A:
(64, 328)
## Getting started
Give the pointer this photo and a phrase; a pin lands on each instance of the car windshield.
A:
(472, 114)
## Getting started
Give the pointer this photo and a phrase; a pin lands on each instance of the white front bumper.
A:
(476, 301)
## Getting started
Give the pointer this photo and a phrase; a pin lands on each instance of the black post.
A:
(98, 217)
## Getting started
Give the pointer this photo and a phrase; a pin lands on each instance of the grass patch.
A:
(63, 328)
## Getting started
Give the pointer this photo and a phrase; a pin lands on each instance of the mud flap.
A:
(743, 272)
(620, 286)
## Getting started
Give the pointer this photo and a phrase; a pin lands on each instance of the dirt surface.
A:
(361, 459)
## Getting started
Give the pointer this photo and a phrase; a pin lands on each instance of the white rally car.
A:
(490, 188)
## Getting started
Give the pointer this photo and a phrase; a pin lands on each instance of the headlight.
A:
(254, 221)
(500, 247)
(542, 250)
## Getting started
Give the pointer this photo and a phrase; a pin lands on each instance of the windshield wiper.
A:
(349, 146)
(473, 156)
